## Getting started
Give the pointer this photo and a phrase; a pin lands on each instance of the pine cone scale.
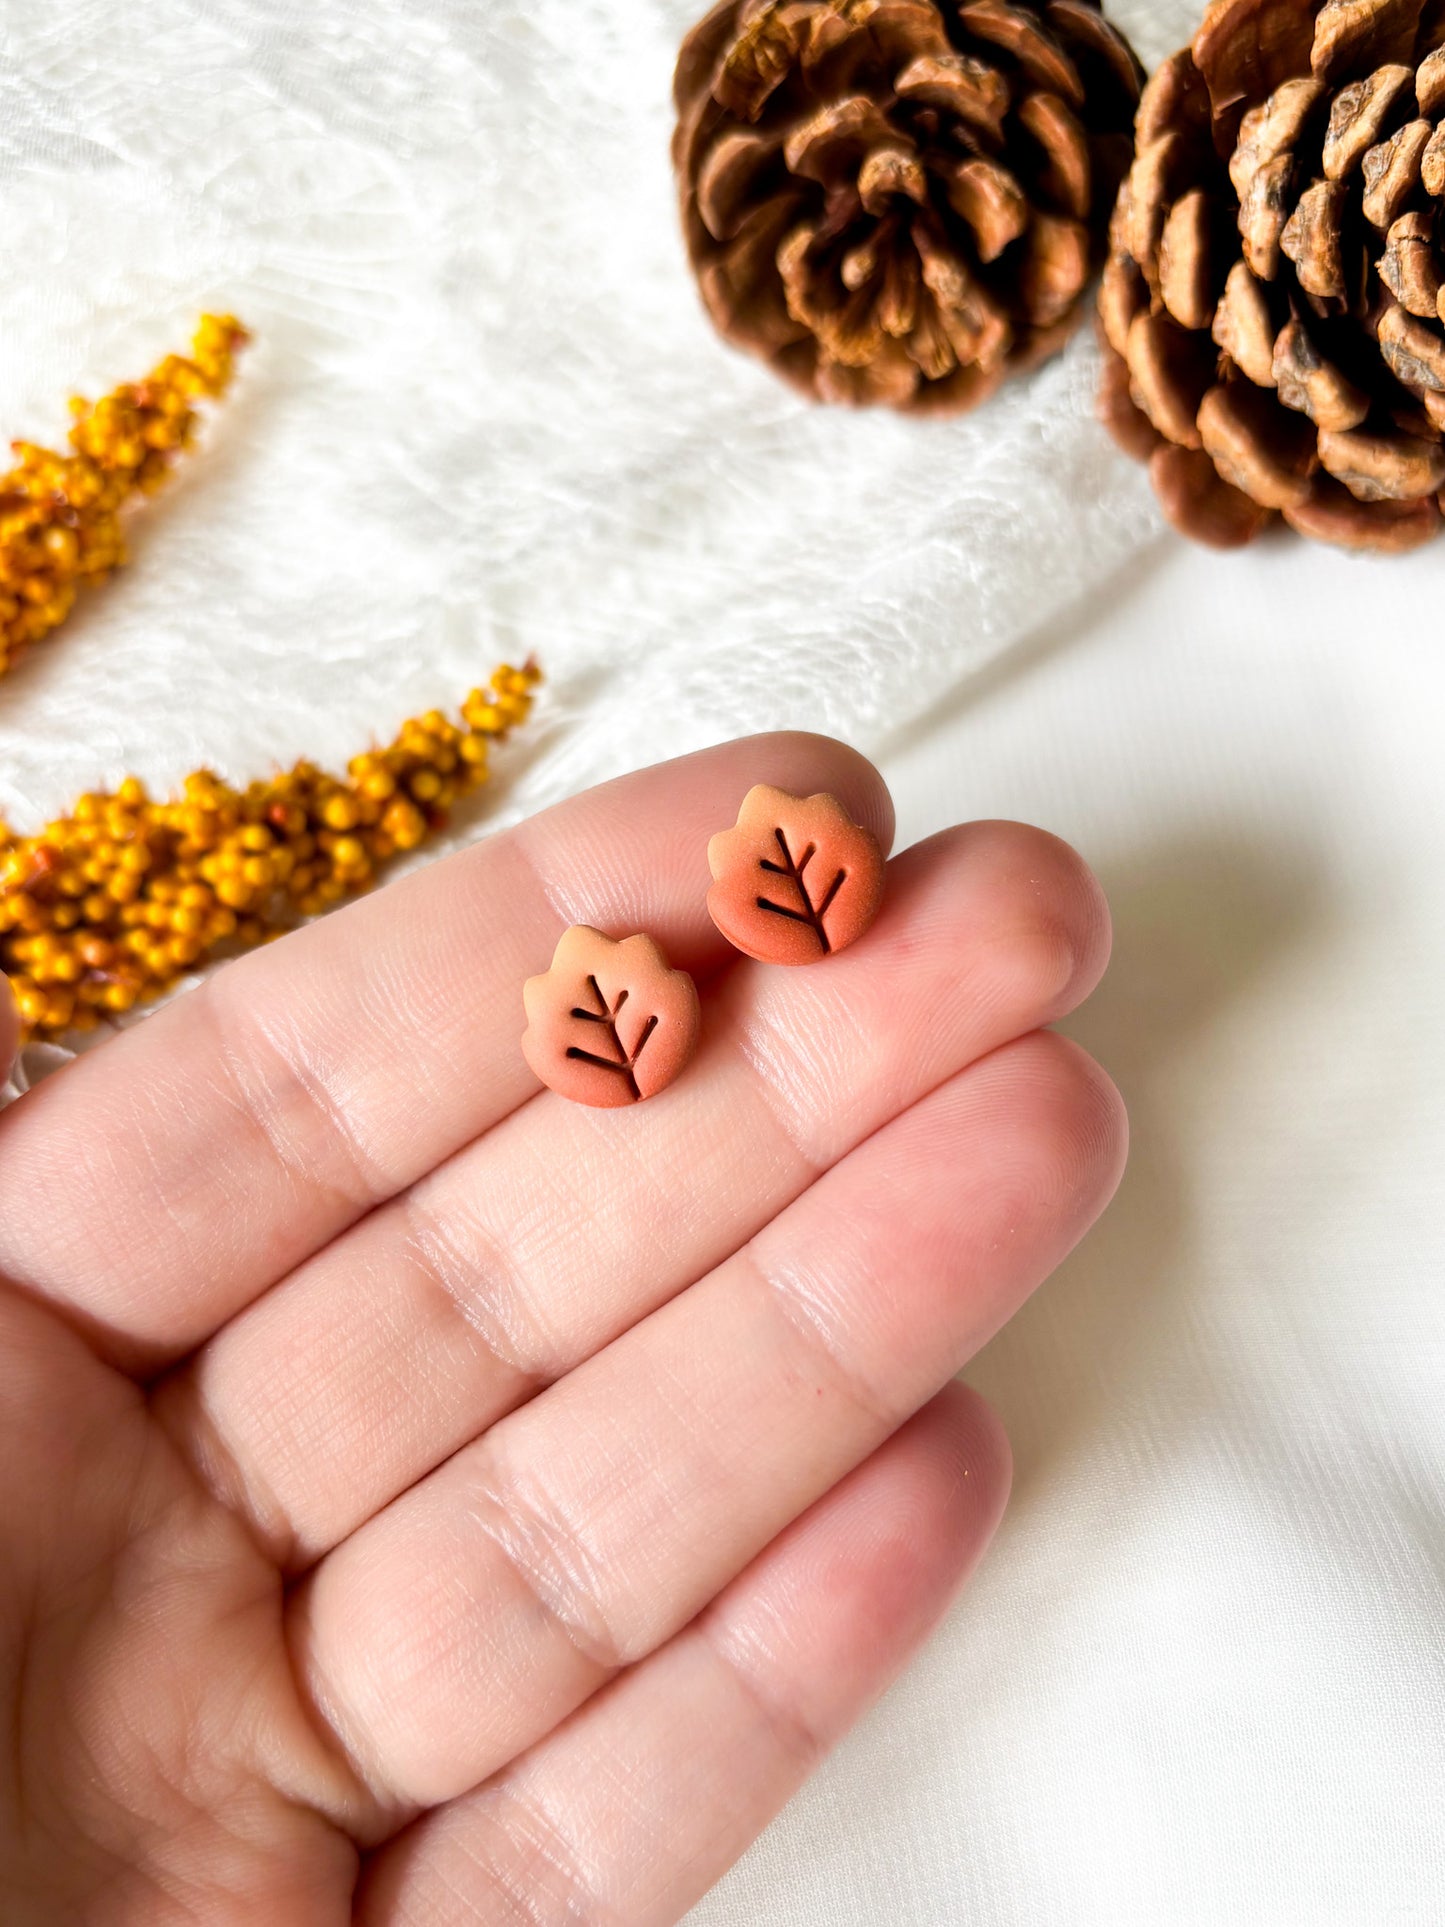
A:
(1108, 69)
(945, 172)
(728, 181)
(759, 61)
(1358, 116)
(1055, 270)
(990, 203)
(1392, 171)
(1243, 330)
(1192, 494)
(1187, 268)
(1383, 468)
(1415, 353)
(1065, 172)
(1333, 515)
(1409, 268)
(1313, 239)
(885, 174)
(1257, 445)
(1354, 36)
(977, 94)
(1040, 57)
(1313, 386)
(1430, 86)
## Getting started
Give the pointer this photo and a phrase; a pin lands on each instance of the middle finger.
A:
(563, 1227)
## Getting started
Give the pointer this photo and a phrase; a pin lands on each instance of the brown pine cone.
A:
(900, 200)
(1273, 298)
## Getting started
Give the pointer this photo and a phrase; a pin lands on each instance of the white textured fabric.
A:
(1200, 1679)
(484, 414)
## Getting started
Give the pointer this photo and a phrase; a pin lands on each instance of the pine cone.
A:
(900, 200)
(1272, 301)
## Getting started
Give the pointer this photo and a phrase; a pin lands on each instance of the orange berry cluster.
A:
(60, 514)
(113, 904)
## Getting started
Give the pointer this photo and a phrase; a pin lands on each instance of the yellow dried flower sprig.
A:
(112, 905)
(60, 514)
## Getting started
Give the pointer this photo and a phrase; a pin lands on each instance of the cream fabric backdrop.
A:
(1200, 1679)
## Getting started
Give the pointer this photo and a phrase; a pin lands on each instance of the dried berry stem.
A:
(59, 514)
(116, 902)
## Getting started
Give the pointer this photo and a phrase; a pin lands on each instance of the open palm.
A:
(428, 1501)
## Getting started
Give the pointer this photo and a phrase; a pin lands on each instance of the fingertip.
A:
(1099, 1114)
(1057, 914)
(1060, 1128)
(974, 1453)
(825, 763)
(893, 1543)
(632, 853)
(1093, 919)
(959, 1465)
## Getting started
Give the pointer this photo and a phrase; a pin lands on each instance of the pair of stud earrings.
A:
(795, 882)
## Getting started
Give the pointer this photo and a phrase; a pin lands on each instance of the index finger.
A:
(156, 1187)
(9, 1027)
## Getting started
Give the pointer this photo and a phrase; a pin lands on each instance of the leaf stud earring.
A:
(610, 1023)
(796, 881)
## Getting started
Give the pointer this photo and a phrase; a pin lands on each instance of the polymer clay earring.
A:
(797, 880)
(610, 1023)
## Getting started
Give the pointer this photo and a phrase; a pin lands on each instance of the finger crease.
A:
(475, 1280)
(797, 1738)
(265, 1095)
(765, 1047)
(799, 1304)
(554, 1570)
(178, 1405)
(535, 1836)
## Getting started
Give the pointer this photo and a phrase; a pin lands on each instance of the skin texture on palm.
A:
(406, 1466)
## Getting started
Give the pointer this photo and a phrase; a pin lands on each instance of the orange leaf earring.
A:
(610, 1023)
(796, 881)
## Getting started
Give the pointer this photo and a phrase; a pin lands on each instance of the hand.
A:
(427, 1501)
